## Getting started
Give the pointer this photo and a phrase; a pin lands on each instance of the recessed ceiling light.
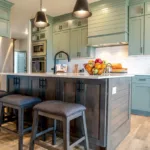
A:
(44, 9)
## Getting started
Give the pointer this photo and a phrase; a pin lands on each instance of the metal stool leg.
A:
(54, 133)
(21, 127)
(34, 129)
(66, 133)
(85, 131)
(1, 113)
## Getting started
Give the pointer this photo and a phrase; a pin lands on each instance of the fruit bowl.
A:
(93, 70)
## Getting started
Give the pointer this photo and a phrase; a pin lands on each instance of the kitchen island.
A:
(107, 99)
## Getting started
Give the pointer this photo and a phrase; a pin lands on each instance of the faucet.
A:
(68, 57)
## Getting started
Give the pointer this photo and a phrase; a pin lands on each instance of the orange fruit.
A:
(100, 71)
(98, 66)
(103, 66)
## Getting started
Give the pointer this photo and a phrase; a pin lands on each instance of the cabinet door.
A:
(4, 13)
(4, 28)
(75, 40)
(65, 42)
(140, 97)
(136, 10)
(136, 33)
(147, 35)
(147, 8)
(84, 42)
(56, 42)
(18, 84)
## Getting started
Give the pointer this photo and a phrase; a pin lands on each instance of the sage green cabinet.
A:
(78, 42)
(136, 35)
(147, 35)
(61, 42)
(147, 8)
(84, 42)
(136, 10)
(140, 97)
(4, 28)
(75, 43)
(4, 13)
(5, 8)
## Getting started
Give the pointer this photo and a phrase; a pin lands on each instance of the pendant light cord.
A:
(41, 5)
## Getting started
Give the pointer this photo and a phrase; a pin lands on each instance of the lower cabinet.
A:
(141, 96)
(18, 84)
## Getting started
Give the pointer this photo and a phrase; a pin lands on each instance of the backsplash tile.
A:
(118, 54)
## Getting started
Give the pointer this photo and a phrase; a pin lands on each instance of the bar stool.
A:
(61, 111)
(2, 94)
(20, 103)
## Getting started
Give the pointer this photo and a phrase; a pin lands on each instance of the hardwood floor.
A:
(138, 138)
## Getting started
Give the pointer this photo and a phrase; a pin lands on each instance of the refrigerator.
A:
(6, 55)
(6, 59)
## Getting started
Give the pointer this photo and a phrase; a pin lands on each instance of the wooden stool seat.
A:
(61, 111)
(18, 102)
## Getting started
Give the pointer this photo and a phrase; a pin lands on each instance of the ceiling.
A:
(24, 10)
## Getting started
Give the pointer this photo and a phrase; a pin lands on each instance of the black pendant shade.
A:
(81, 9)
(40, 19)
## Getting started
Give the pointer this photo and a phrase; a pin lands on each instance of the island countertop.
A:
(72, 75)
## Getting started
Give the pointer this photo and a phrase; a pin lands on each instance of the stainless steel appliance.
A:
(6, 55)
(39, 64)
(39, 48)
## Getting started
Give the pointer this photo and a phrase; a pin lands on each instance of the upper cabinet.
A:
(109, 22)
(71, 36)
(78, 42)
(61, 43)
(139, 30)
(136, 10)
(5, 8)
(136, 32)
(147, 8)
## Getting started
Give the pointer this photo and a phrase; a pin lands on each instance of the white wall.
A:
(21, 45)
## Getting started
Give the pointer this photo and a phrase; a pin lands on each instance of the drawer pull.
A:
(142, 79)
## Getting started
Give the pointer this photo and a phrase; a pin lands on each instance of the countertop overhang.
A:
(72, 75)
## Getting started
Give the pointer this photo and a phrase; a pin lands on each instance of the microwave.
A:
(39, 48)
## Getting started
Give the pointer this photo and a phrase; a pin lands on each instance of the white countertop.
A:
(72, 75)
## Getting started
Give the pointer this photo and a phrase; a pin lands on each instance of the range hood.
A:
(109, 24)
(116, 39)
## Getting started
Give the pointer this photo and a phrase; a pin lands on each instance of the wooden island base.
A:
(107, 101)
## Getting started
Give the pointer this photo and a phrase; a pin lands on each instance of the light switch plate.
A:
(114, 90)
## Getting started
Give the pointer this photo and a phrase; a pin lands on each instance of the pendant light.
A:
(41, 20)
(81, 9)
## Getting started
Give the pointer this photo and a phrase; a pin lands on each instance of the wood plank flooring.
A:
(138, 138)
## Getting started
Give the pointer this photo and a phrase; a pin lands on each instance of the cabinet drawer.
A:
(141, 79)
